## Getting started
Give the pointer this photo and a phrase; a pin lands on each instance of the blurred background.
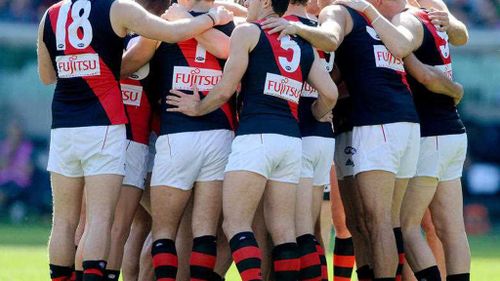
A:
(25, 104)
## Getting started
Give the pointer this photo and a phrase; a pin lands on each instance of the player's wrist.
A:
(212, 15)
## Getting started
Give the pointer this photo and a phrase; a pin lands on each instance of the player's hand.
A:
(280, 25)
(175, 12)
(328, 118)
(221, 15)
(358, 5)
(184, 103)
(440, 19)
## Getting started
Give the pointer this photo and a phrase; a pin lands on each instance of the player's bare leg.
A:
(141, 227)
(399, 192)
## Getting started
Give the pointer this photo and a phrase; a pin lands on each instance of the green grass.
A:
(23, 255)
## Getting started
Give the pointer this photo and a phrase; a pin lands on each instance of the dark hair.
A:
(280, 6)
(299, 2)
(156, 7)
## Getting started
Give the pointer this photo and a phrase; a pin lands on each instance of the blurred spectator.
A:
(16, 167)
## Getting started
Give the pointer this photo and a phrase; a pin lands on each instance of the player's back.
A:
(272, 84)
(86, 54)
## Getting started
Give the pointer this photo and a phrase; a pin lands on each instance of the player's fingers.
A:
(177, 93)
(276, 29)
(173, 98)
(174, 109)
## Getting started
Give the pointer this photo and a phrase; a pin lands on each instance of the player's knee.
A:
(65, 225)
(120, 232)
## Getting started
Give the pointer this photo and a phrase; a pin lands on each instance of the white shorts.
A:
(390, 147)
(136, 161)
(88, 151)
(185, 158)
(442, 157)
(343, 155)
(276, 157)
(317, 159)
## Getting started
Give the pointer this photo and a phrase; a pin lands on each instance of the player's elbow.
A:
(459, 40)
(47, 79)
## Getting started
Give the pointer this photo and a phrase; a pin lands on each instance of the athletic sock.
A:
(78, 275)
(112, 275)
(458, 277)
(60, 273)
(384, 279)
(343, 259)
(429, 274)
(246, 255)
(286, 261)
(364, 273)
(310, 264)
(203, 256)
(322, 259)
(94, 270)
(216, 277)
(73, 274)
(401, 252)
(165, 260)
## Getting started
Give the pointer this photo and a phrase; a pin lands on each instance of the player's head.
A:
(260, 8)
(156, 7)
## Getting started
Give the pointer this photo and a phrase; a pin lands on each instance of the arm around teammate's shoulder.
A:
(137, 56)
(46, 71)
(456, 30)
(320, 80)
(128, 16)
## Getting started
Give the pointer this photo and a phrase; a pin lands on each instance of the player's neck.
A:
(268, 14)
(297, 10)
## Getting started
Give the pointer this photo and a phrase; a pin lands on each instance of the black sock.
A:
(112, 275)
(398, 235)
(310, 263)
(78, 275)
(429, 274)
(364, 273)
(286, 261)
(94, 270)
(385, 279)
(165, 260)
(60, 273)
(203, 256)
(216, 277)
(458, 277)
(246, 255)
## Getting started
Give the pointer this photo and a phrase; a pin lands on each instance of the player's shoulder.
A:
(247, 28)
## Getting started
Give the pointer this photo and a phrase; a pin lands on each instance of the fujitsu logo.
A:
(82, 65)
(384, 58)
(282, 87)
(185, 78)
(131, 94)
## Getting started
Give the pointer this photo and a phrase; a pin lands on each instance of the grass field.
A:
(23, 255)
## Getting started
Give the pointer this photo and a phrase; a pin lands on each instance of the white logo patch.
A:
(308, 91)
(384, 58)
(372, 33)
(446, 69)
(131, 94)
(282, 87)
(78, 65)
(186, 77)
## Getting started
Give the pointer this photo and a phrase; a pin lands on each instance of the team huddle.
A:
(212, 129)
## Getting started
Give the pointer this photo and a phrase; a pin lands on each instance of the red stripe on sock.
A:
(62, 278)
(402, 258)
(309, 260)
(165, 279)
(343, 261)
(320, 250)
(246, 253)
(93, 271)
(251, 274)
(204, 260)
(165, 259)
(337, 278)
(287, 265)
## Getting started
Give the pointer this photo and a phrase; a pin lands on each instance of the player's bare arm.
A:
(327, 37)
(213, 40)
(433, 78)
(137, 56)
(127, 16)
(46, 70)
(398, 40)
(320, 80)
(243, 40)
(441, 16)
(237, 9)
